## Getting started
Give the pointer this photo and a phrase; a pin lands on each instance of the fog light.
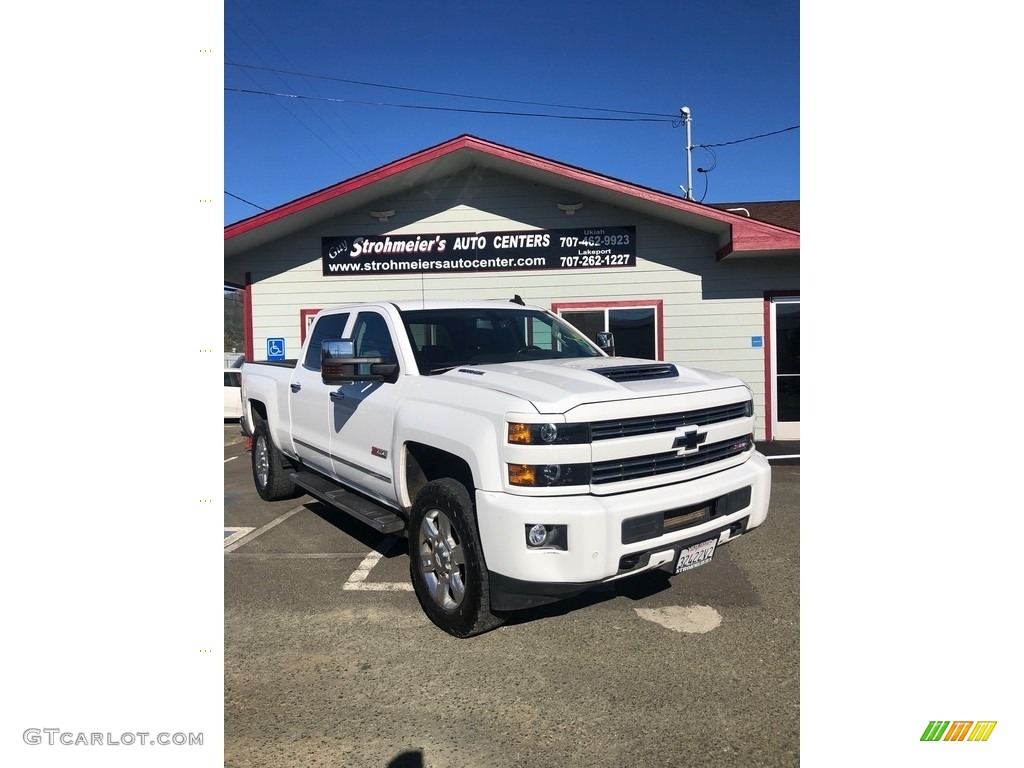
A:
(537, 536)
(547, 536)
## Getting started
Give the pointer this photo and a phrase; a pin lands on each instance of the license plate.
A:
(696, 555)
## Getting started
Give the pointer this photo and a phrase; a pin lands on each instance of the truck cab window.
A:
(372, 339)
(326, 327)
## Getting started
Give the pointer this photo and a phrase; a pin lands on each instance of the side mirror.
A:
(606, 341)
(339, 365)
(337, 349)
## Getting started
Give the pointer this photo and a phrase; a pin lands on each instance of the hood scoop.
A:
(623, 373)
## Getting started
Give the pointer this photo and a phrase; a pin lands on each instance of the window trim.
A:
(769, 383)
(304, 315)
(658, 305)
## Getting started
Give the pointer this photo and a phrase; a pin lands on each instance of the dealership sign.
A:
(566, 249)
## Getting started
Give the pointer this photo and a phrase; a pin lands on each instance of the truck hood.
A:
(556, 386)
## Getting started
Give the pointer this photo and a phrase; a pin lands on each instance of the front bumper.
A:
(521, 577)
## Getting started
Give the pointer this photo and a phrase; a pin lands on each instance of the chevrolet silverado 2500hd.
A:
(522, 462)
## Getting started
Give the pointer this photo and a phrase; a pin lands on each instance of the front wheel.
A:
(446, 560)
(269, 472)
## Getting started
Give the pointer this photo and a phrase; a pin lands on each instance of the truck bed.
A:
(276, 363)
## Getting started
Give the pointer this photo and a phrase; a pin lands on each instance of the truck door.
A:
(309, 398)
(362, 415)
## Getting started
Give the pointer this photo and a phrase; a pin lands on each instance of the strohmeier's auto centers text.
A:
(497, 251)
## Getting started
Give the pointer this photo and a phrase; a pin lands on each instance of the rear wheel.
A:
(269, 471)
(446, 560)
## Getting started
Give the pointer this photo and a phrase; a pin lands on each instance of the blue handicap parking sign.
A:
(275, 349)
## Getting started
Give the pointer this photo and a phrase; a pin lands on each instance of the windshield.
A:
(446, 338)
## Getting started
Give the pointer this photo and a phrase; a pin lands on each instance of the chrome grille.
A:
(617, 470)
(665, 422)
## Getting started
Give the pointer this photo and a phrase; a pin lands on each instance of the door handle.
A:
(338, 396)
(296, 387)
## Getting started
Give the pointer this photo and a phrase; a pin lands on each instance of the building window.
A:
(637, 325)
(306, 318)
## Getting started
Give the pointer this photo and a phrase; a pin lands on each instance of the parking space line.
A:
(231, 535)
(379, 586)
(260, 531)
(356, 581)
(358, 578)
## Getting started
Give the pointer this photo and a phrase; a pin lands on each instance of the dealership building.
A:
(712, 287)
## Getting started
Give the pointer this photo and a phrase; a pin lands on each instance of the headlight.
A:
(548, 434)
(547, 475)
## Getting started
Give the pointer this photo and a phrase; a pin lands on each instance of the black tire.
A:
(446, 561)
(269, 471)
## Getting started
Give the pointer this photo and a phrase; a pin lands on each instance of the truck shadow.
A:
(358, 530)
(722, 584)
(638, 588)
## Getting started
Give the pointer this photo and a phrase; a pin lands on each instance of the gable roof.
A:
(737, 234)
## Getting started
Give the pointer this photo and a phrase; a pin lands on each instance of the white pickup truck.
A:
(523, 462)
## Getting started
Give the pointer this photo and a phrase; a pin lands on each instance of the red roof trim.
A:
(342, 188)
(746, 234)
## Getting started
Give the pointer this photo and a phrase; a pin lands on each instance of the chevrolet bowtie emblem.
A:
(689, 441)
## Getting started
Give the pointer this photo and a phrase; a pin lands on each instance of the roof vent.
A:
(622, 373)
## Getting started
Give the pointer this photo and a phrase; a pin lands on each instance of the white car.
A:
(232, 393)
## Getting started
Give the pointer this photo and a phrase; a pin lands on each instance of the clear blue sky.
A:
(735, 65)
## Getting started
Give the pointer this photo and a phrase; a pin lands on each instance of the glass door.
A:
(785, 367)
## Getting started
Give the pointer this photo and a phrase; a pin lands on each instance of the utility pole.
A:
(688, 190)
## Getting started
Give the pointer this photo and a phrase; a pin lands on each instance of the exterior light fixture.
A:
(382, 216)
(569, 208)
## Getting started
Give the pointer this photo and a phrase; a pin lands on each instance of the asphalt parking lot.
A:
(329, 660)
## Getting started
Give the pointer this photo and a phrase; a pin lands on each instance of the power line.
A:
(749, 138)
(244, 201)
(446, 93)
(303, 123)
(654, 119)
(457, 109)
(313, 88)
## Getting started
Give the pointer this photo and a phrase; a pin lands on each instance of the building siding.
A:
(712, 309)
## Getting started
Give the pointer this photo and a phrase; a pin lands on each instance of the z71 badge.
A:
(380, 453)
